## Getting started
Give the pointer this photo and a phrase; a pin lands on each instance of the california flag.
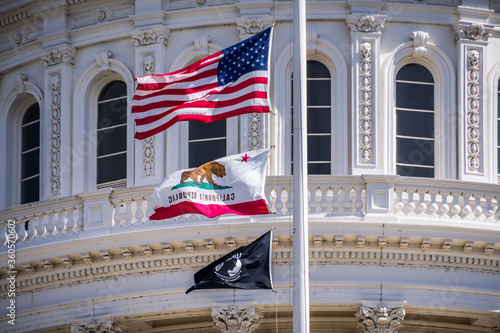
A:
(229, 185)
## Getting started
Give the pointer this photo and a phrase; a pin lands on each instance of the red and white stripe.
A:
(193, 93)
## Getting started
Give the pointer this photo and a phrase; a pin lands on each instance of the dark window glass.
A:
(319, 121)
(201, 152)
(200, 130)
(414, 123)
(113, 90)
(319, 152)
(415, 128)
(112, 168)
(319, 148)
(112, 113)
(318, 92)
(207, 141)
(30, 163)
(414, 72)
(30, 190)
(416, 152)
(112, 133)
(30, 155)
(415, 96)
(108, 143)
(30, 136)
(415, 171)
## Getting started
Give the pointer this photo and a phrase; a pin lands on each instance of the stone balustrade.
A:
(359, 197)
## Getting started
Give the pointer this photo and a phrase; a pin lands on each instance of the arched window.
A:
(112, 135)
(30, 155)
(207, 141)
(415, 122)
(319, 119)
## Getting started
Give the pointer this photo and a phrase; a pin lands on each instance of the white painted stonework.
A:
(403, 254)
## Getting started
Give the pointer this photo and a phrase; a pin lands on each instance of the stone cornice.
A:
(334, 249)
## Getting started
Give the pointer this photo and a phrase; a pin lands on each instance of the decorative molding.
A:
(468, 246)
(209, 244)
(55, 133)
(188, 247)
(148, 251)
(19, 83)
(102, 59)
(65, 269)
(255, 126)
(420, 39)
(380, 318)
(367, 24)
(312, 41)
(426, 244)
(6, 20)
(318, 241)
(201, 46)
(126, 253)
(365, 96)
(49, 265)
(233, 319)
(446, 246)
(472, 110)
(148, 64)
(55, 57)
(106, 255)
(473, 31)
(230, 243)
(148, 144)
(106, 326)
(382, 242)
(252, 25)
(149, 36)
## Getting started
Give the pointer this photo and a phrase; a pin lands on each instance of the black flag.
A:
(247, 267)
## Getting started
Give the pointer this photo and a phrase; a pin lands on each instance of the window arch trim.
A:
(442, 71)
(85, 98)
(332, 58)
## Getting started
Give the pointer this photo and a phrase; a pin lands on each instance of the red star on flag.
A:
(245, 158)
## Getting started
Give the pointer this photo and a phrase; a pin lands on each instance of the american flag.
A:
(228, 83)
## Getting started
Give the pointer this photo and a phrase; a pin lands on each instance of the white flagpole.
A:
(300, 206)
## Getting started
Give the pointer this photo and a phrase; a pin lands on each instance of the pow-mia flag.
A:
(247, 267)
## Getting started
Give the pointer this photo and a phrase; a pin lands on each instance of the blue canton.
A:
(249, 55)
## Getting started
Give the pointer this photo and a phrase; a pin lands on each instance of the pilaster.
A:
(473, 145)
(366, 31)
(58, 87)
(150, 49)
(234, 319)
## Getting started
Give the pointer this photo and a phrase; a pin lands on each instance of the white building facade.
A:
(403, 162)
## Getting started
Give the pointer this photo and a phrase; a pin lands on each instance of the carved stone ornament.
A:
(472, 110)
(19, 85)
(254, 126)
(252, 25)
(365, 100)
(420, 39)
(106, 326)
(149, 37)
(148, 64)
(148, 144)
(56, 57)
(201, 46)
(312, 41)
(380, 319)
(367, 24)
(55, 133)
(235, 320)
(102, 60)
(476, 32)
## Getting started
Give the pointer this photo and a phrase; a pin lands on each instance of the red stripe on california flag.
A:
(257, 207)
